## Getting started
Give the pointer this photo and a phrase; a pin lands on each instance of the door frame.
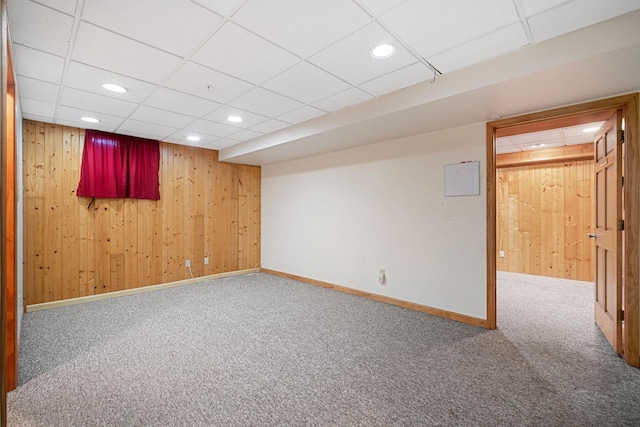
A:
(631, 191)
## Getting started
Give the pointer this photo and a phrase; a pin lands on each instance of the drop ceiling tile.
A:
(578, 130)
(507, 149)
(303, 27)
(102, 104)
(221, 143)
(545, 135)
(270, 126)
(482, 48)
(161, 117)
(397, 80)
(180, 137)
(211, 128)
(222, 7)
(503, 141)
(579, 139)
(378, 7)
(38, 90)
(351, 60)
(38, 65)
(73, 115)
(91, 79)
(343, 99)
(185, 142)
(83, 125)
(541, 144)
(38, 108)
(196, 79)
(43, 119)
(434, 27)
(301, 114)
(145, 130)
(178, 26)
(240, 53)
(267, 103)
(245, 135)
(248, 119)
(66, 6)
(533, 7)
(122, 55)
(575, 15)
(306, 83)
(39, 27)
(171, 100)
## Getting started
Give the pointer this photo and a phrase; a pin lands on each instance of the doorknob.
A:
(592, 235)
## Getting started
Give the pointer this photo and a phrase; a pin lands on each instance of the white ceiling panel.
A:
(145, 130)
(501, 142)
(579, 130)
(38, 65)
(270, 126)
(66, 6)
(397, 80)
(83, 125)
(180, 137)
(221, 143)
(171, 100)
(238, 52)
(541, 144)
(480, 49)
(248, 119)
(176, 26)
(378, 7)
(91, 79)
(350, 58)
(73, 115)
(211, 128)
(222, 7)
(38, 90)
(301, 114)
(507, 149)
(304, 27)
(39, 27)
(579, 139)
(245, 135)
(44, 119)
(266, 103)
(116, 53)
(545, 135)
(161, 117)
(434, 27)
(38, 108)
(533, 7)
(306, 83)
(207, 83)
(101, 104)
(343, 99)
(577, 14)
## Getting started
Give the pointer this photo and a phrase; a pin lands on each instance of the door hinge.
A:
(622, 315)
(621, 224)
(622, 177)
(621, 132)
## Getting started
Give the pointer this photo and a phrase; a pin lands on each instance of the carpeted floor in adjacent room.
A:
(263, 350)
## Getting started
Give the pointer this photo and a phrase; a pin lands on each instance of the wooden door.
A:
(608, 230)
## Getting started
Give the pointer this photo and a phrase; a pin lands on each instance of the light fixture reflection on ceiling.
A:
(89, 119)
(234, 119)
(537, 146)
(112, 87)
(590, 130)
(383, 51)
(193, 138)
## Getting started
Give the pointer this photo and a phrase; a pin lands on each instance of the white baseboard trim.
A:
(116, 294)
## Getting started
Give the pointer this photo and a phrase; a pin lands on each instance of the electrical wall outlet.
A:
(381, 277)
(187, 263)
(501, 254)
(206, 260)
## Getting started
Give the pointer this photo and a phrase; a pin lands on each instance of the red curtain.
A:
(115, 166)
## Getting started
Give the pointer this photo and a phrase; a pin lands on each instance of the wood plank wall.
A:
(207, 209)
(544, 214)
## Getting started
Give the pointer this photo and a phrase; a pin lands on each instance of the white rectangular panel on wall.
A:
(462, 179)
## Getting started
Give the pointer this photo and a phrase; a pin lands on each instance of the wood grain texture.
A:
(544, 212)
(553, 154)
(388, 300)
(72, 250)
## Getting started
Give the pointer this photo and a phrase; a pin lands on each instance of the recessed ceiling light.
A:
(537, 146)
(234, 119)
(193, 138)
(383, 51)
(114, 88)
(590, 130)
(89, 119)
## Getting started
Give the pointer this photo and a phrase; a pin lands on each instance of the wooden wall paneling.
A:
(210, 160)
(168, 232)
(53, 222)
(101, 209)
(570, 221)
(189, 225)
(223, 217)
(257, 212)
(233, 232)
(200, 170)
(116, 244)
(244, 185)
(131, 255)
(536, 229)
(71, 171)
(177, 209)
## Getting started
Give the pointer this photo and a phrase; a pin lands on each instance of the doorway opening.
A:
(612, 294)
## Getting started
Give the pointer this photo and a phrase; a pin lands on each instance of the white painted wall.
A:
(340, 217)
